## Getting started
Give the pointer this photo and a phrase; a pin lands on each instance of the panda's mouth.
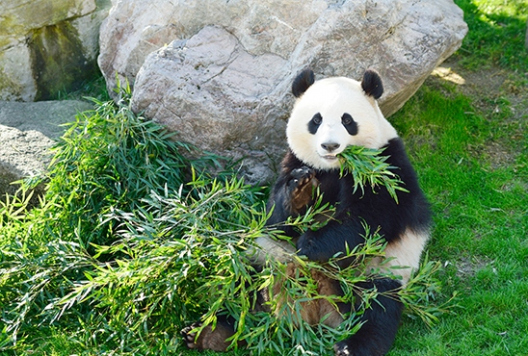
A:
(329, 157)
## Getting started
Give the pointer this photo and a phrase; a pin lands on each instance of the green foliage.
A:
(132, 241)
(496, 34)
(108, 160)
(420, 294)
(94, 87)
(369, 168)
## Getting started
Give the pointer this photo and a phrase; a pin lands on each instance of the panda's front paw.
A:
(300, 187)
(313, 246)
(189, 336)
(341, 349)
(300, 177)
(209, 339)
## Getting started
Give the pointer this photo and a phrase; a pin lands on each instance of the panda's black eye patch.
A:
(314, 123)
(349, 124)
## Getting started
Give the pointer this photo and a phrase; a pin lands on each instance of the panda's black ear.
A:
(372, 84)
(302, 82)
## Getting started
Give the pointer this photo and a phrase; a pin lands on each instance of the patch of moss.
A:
(58, 60)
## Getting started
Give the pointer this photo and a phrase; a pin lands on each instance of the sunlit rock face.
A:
(48, 47)
(219, 72)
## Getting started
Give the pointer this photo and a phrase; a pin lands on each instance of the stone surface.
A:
(215, 97)
(47, 46)
(220, 72)
(23, 154)
(27, 132)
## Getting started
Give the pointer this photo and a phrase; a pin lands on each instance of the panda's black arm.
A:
(334, 237)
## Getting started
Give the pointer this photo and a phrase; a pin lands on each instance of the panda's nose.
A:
(330, 146)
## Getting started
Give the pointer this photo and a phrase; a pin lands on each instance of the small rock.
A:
(27, 132)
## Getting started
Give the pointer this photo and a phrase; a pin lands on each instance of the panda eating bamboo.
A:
(329, 115)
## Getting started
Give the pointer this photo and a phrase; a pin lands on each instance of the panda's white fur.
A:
(331, 98)
(402, 257)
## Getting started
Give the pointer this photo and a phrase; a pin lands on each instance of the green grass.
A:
(496, 35)
(472, 164)
(114, 195)
(481, 220)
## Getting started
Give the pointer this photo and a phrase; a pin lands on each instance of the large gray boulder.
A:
(47, 46)
(219, 73)
(223, 99)
(27, 132)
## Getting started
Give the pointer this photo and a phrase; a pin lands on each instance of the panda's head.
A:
(333, 113)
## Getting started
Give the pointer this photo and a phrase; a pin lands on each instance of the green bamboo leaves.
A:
(369, 168)
(133, 241)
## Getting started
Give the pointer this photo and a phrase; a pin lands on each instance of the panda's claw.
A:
(300, 178)
(341, 350)
(189, 337)
(303, 173)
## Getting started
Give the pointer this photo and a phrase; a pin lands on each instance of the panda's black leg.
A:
(381, 323)
(300, 188)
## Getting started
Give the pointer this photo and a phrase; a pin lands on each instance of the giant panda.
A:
(329, 115)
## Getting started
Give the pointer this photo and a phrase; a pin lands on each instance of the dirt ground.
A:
(487, 84)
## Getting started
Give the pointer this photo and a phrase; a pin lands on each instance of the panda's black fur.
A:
(376, 208)
(403, 224)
